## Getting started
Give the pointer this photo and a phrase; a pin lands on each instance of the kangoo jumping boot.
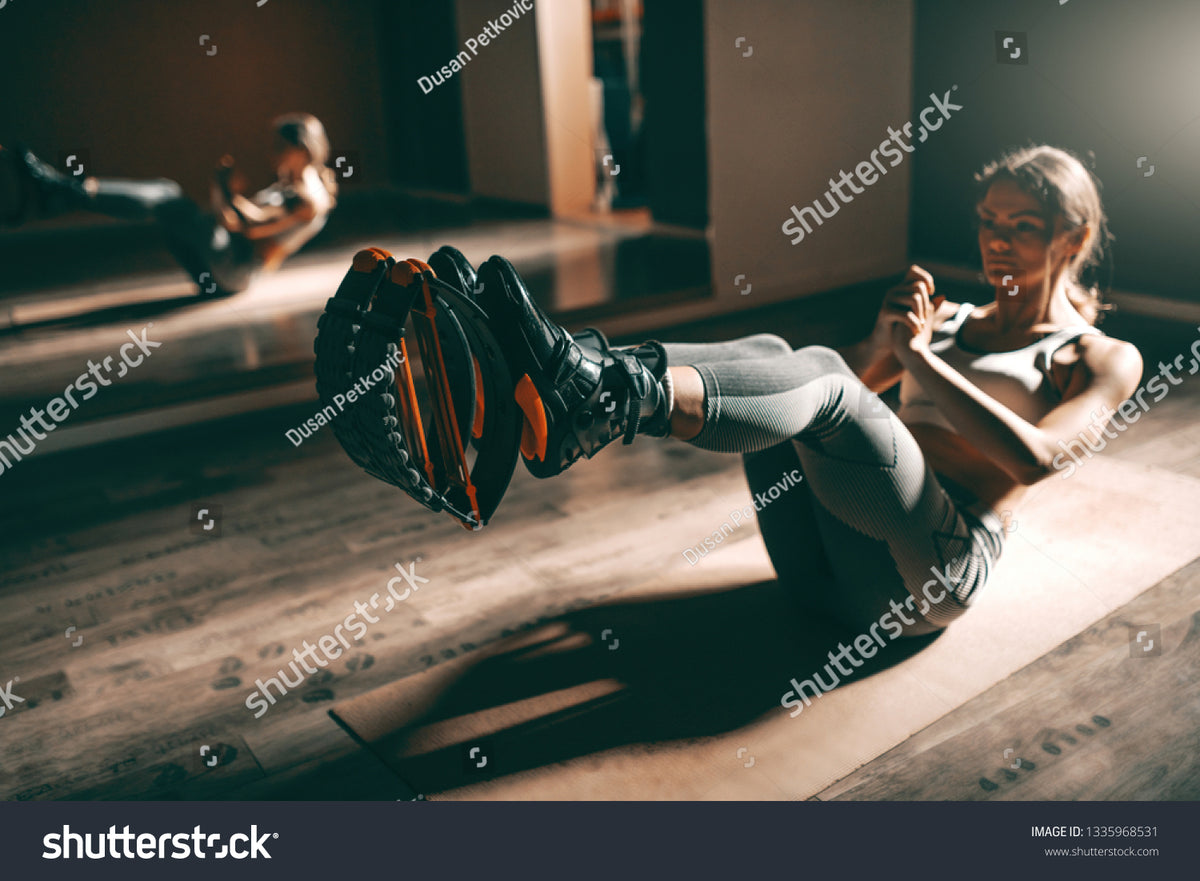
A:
(452, 267)
(577, 395)
(55, 192)
(15, 190)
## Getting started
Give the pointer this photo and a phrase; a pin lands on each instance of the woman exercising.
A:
(895, 510)
(221, 251)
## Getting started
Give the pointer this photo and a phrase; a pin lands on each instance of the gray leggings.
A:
(217, 260)
(869, 525)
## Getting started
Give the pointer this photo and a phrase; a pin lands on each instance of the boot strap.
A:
(632, 369)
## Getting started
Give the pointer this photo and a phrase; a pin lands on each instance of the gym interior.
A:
(175, 539)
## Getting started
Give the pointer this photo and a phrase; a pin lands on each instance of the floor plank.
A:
(177, 624)
(1075, 724)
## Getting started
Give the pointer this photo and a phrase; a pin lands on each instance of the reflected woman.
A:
(221, 250)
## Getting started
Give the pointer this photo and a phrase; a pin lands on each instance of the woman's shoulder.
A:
(1098, 357)
(1100, 351)
(311, 194)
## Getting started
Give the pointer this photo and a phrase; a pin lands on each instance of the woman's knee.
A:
(769, 344)
(828, 359)
(169, 189)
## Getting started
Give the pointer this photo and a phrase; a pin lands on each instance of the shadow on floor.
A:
(123, 313)
(668, 669)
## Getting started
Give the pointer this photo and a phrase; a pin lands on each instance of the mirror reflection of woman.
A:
(222, 250)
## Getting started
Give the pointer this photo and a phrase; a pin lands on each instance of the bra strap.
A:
(951, 325)
(1051, 344)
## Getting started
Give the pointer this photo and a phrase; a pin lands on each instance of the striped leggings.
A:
(870, 533)
(216, 259)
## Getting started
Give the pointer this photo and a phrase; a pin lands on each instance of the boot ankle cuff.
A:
(668, 387)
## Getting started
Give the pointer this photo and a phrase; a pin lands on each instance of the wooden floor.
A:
(134, 636)
(1054, 720)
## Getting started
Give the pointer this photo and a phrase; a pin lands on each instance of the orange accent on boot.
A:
(367, 259)
(429, 309)
(403, 274)
(534, 431)
(477, 427)
(420, 266)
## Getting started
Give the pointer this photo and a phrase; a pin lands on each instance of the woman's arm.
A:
(1105, 376)
(245, 216)
(255, 214)
(241, 215)
(877, 367)
(872, 358)
(303, 213)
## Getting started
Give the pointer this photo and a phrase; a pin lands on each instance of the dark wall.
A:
(425, 132)
(1116, 78)
(675, 127)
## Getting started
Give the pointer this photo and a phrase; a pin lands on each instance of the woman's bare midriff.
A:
(951, 455)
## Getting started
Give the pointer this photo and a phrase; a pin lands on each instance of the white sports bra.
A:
(1019, 379)
(284, 196)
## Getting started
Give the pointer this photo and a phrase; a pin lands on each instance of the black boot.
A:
(14, 189)
(449, 265)
(577, 396)
(55, 193)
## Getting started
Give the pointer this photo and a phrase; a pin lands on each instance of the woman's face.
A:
(1019, 247)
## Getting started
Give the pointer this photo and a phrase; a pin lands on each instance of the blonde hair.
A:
(305, 131)
(1065, 188)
